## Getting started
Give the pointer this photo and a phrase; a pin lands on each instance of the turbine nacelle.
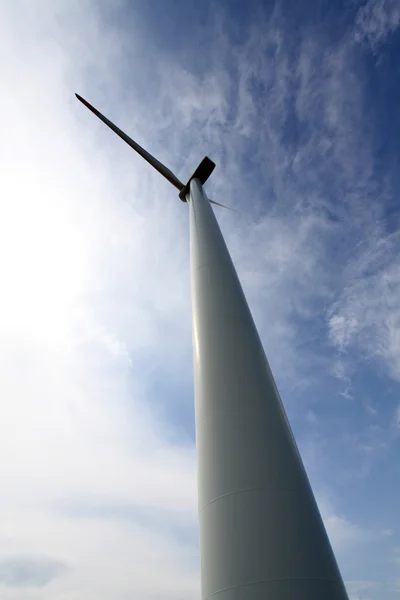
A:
(202, 173)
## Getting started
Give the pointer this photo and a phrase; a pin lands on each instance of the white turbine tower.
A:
(261, 533)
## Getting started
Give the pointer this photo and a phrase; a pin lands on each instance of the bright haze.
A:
(298, 104)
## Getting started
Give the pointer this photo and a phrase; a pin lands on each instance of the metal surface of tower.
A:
(261, 533)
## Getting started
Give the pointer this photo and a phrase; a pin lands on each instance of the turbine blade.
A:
(223, 206)
(162, 169)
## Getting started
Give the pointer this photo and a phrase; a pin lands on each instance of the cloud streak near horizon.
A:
(96, 431)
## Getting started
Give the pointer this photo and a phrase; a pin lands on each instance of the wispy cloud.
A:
(95, 307)
(359, 590)
(376, 20)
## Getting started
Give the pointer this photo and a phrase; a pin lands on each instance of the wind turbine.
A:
(261, 533)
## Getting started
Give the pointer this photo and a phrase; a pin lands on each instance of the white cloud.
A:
(89, 287)
(343, 533)
(359, 590)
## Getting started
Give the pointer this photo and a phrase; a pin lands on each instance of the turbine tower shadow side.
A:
(261, 533)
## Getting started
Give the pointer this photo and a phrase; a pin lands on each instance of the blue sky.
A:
(297, 103)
